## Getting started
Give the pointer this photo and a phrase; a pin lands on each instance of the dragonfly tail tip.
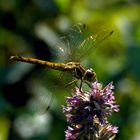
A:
(11, 57)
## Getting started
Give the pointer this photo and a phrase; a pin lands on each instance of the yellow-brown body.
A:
(75, 68)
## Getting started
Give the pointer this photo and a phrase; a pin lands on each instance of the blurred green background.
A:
(31, 28)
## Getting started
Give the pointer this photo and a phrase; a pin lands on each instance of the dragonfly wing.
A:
(77, 44)
(92, 41)
(69, 43)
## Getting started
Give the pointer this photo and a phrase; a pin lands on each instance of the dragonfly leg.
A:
(81, 82)
(88, 83)
(73, 81)
(83, 79)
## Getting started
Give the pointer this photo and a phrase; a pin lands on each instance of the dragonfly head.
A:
(90, 75)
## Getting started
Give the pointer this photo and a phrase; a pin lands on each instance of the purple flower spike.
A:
(87, 113)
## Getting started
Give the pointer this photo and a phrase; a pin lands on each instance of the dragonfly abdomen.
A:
(57, 66)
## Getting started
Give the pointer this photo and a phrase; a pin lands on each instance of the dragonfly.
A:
(74, 46)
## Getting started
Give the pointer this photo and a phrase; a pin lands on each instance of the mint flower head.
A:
(87, 113)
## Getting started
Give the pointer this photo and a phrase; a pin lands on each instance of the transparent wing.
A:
(70, 41)
(92, 41)
(76, 44)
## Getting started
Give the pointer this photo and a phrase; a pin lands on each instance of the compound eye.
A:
(90, 70)
(90, 75)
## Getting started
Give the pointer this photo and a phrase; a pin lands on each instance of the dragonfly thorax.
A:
(71, 66)
(80, 72)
